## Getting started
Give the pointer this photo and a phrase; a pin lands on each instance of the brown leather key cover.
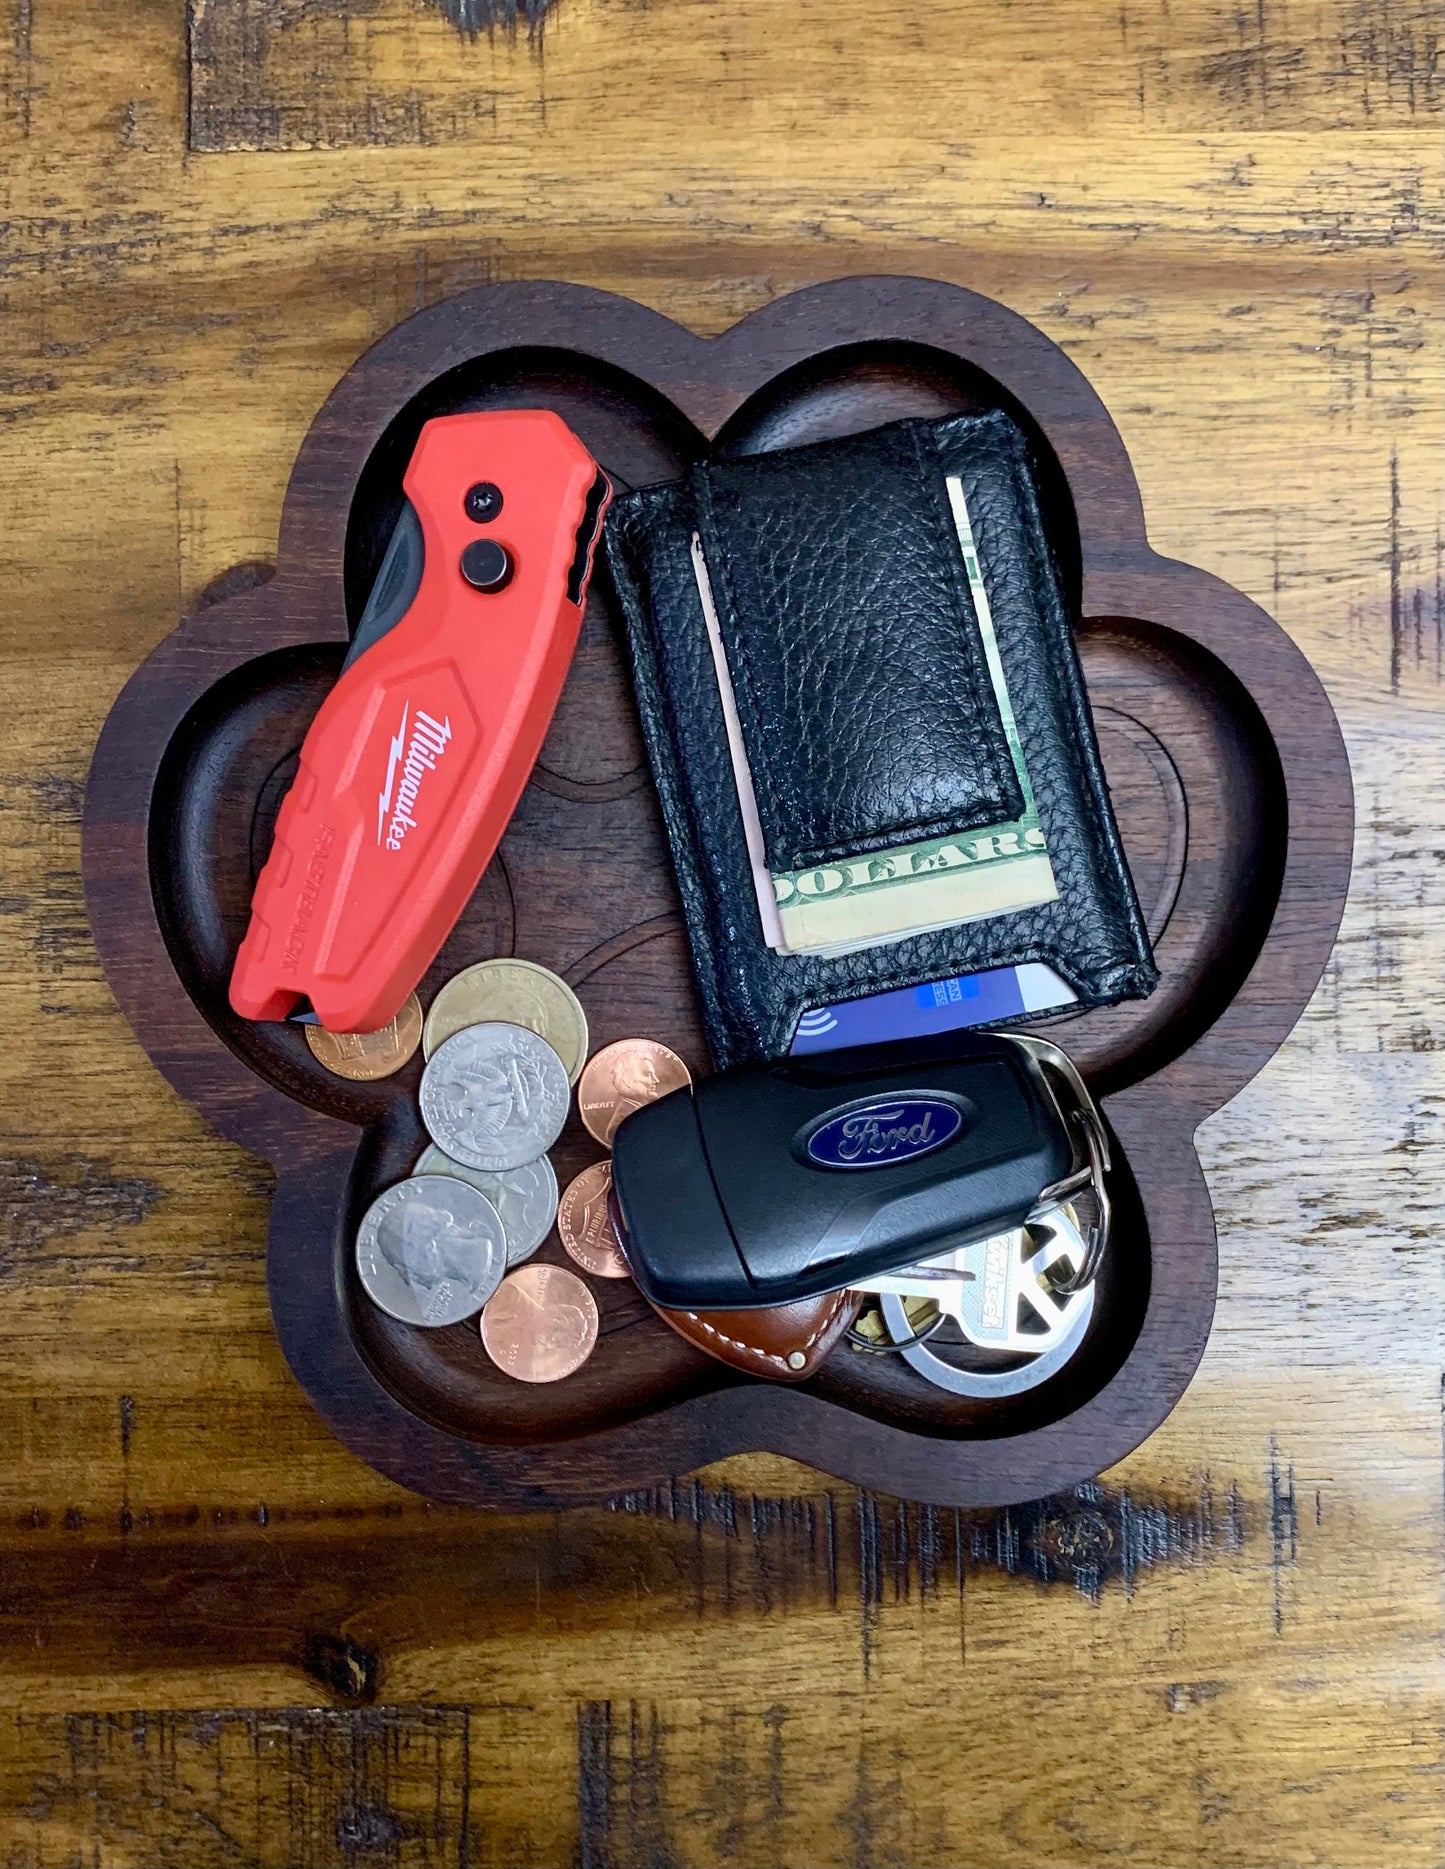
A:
(786, 1342)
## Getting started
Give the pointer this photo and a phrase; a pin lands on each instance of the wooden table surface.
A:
(223, 1640)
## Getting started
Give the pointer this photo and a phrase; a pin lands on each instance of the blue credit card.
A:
(939, 1006)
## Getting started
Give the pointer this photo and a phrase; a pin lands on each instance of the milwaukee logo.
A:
(995, 1280)
(410, 759)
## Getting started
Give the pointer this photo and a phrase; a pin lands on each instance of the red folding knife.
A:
(411, 770)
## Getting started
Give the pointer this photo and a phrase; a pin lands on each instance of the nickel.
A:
(364, 1056)
(526, 1197)
(585, 1227)
(541, 1325)
(519, 992)
(494, 1096)
(621, 1078)
(431, 1250)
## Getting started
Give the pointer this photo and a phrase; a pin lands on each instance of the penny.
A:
(494, 1096)
(363, 1056)
(518, 992)
(621, 1078)
(541, 1325)
(431, 1250)
(525, 1197)
(585, 1227)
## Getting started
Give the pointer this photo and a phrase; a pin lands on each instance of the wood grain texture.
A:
(1254, 290)
(349, 72)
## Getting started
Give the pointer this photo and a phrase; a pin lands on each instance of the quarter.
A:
(525, 1197)
(518, 992)
(494, 1096)
(542, 1324)
(431, 1250)
(621, 1078)
(585, 1227)
(364, 1056)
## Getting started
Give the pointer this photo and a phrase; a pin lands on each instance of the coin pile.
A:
(504, 1042)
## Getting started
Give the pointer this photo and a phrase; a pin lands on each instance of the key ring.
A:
(1092, 1177)
(1083, 1116)
(859, 1342)
(987, 1384)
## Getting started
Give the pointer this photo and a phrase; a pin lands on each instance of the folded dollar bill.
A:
(887, 895)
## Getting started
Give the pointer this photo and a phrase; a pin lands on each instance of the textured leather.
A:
(862, 687)
(761, 1342)
(1093, 936)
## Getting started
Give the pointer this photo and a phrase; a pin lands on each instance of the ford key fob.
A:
(771, 1183)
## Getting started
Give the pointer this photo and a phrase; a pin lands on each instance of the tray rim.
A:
(1122, 577)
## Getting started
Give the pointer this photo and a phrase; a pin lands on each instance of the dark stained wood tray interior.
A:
(1228, 778)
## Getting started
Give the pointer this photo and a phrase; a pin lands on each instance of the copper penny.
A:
(363, 1056)
(541, 1324)
(621, 1078)
(586, 1227)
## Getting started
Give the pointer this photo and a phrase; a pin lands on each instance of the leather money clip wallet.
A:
(866, 720)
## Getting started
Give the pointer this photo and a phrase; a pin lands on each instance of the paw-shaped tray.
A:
(1229, 779)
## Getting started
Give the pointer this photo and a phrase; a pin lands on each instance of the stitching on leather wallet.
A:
(670, 771)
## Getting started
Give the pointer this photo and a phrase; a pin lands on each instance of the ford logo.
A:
(874, 1135)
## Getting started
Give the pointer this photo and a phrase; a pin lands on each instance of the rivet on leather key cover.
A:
(816, 706)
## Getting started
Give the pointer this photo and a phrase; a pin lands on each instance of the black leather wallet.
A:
(869, 778)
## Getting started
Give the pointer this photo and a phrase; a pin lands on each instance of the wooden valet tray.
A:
(1229, 778)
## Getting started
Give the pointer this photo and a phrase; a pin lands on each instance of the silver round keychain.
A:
(996, 1302)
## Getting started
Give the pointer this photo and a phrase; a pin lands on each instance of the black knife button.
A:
(487, 566)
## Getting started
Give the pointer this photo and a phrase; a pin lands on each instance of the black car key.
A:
(771, 1183)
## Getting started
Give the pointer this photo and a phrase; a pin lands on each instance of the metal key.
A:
(1007, 1292)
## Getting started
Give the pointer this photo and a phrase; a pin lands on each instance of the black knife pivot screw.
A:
(486, 565)
(483, 502)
